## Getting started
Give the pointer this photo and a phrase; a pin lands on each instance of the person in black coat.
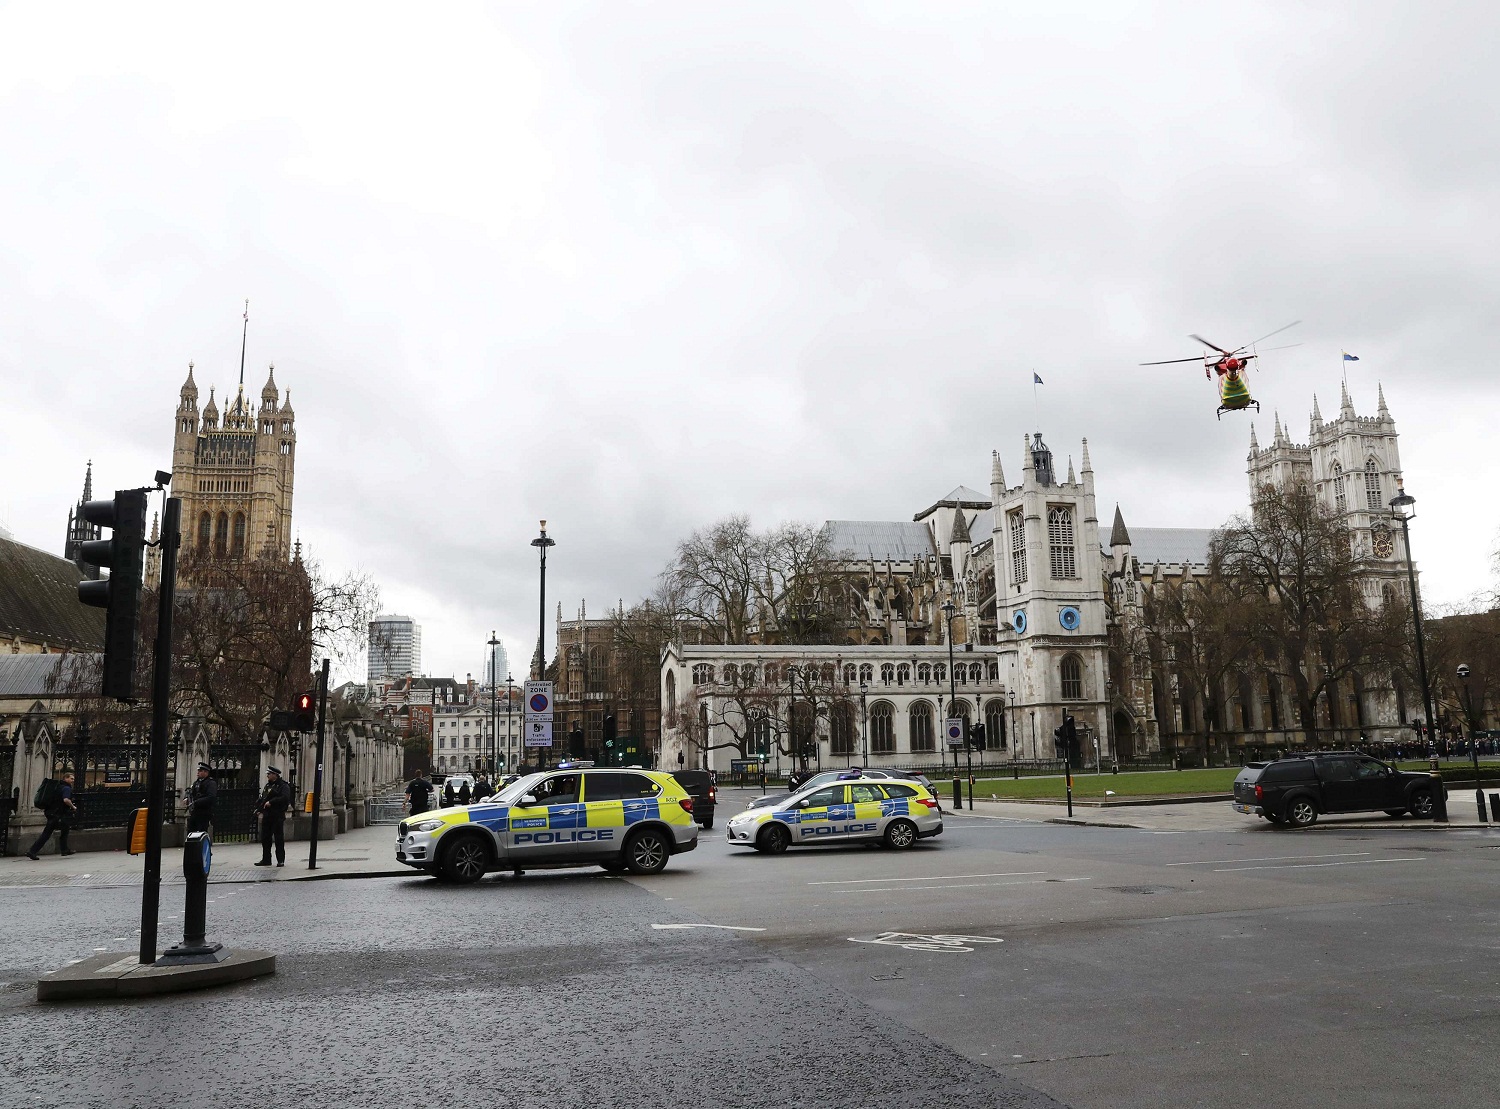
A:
(59, 816)
(419, 794)
(482, 789)
(202, 795)
(463, 793)
(275, 799)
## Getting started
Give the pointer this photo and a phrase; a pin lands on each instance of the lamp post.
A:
(1463, 676)
(541, 543)
(1109, 722)
(1400, 504)
(948, 611)
(864, 725)
(510, 733)
(494, 691)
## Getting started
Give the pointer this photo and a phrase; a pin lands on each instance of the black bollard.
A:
(1495, 806)
(958, 794)
(197, 858)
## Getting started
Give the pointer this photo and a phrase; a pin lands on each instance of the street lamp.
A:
(864, 724)
(510, 732)
(494, 691)
(1463, 676)
(541, 543)
(1109, 722)
(1400, 504)
(948, 611)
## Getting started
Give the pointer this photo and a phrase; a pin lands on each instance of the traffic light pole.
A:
(317, 806)
(161, 691)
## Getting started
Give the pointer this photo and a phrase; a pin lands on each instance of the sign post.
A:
(538, 724)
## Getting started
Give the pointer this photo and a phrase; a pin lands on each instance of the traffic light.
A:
(1066, 736)
(305, 715)
(575, 742)
(976, 737)
(119, 595)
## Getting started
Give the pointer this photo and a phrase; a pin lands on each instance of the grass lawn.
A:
(1155, 783)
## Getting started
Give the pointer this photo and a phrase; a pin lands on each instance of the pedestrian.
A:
(450, 794)
(275, 799)
(202, 795)
(482, 788)
(463, 793)
(419, 793)
(59, 816)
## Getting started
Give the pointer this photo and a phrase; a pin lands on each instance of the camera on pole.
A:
(120, 594)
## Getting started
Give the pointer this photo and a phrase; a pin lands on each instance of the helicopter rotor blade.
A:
(1206, 343)
(1171, 361)
(1287, 346)
(1278, 331)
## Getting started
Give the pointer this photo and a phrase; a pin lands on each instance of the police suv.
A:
(895, 812)
(618, 819)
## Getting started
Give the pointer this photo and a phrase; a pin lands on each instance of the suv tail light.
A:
(712, 793)
(1258, 794)
(930, 802)
(686, 803)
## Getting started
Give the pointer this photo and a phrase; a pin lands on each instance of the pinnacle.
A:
(1072, 480)
(1088, 467)
(1317, 415)
(997, 473)
(1118, 535)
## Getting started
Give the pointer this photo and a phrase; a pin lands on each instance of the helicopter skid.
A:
(1223, 408)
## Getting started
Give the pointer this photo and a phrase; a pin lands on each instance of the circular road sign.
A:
(540, 702)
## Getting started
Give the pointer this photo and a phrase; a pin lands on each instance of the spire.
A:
(1347, 408)
(1118, 536)
(155, 526)
(1317, 415)
(1382, 411)
(1072, 479)
(960, 533)
(269, 392)
(1028, 464)
(1280, 437)
(88, 483)
(190, 386)
(1254, 443)
(1087, 467)
(210, 410)
(997, 474)
(286, 404)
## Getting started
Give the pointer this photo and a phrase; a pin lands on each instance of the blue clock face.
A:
(1069, 618)
(1019, 620)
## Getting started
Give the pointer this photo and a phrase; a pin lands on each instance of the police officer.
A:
(202, 795)
(419, 794)
(275, 799)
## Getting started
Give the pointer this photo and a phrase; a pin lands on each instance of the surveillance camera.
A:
(163, 477)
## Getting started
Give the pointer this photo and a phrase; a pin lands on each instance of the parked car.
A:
(702, 787)
(1297, 790)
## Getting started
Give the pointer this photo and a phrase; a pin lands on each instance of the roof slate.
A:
(27, 675)
(897, 540)
(1171, 546)
(39, 600)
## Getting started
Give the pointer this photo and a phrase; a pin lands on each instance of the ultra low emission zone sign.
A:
(538, 732)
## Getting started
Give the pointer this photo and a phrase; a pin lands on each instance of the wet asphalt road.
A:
(1337, 967)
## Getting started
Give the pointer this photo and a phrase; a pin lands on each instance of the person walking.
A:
(202, 795)
(463, 793)
(450, 794)
(419, 793)
(59, 816)
(275, 799)
(482, 788)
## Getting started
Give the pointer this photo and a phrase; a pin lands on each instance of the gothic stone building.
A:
(1044, 602)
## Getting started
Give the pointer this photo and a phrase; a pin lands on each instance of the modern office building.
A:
(395, 648)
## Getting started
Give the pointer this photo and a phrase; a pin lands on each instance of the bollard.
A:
(958, 794)
(197, 858)
(1495, 806)
(971, 793)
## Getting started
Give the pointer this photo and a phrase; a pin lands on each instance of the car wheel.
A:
(1421, 804)
(900, 834)
(709, 823)
(773, 839)
(1301, 813)
(647, 852)
(464, 860)
(1274, 819)
(1395, 814)
(613, 868)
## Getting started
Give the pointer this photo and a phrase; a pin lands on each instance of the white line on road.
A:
(1303, 866)
(932, 878)
(726, 927)
(1273, 858)
(963, 886)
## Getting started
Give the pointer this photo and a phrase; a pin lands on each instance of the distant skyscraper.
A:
(502, 665)
(395, 648)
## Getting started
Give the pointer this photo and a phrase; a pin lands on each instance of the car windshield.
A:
(516, 790)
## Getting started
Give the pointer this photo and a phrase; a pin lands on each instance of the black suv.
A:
(1295, 790)
(703, 789)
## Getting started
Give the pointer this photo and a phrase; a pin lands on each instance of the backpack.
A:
(48, 794)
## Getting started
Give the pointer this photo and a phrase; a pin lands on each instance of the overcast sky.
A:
(632, 268)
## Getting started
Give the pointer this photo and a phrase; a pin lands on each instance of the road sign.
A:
(744, 766)
(538, 698)
(953, 728)
(538, 733)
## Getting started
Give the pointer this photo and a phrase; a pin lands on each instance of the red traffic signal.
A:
(304, 716)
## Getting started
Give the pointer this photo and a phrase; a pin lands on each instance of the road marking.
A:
(962, 886)
(726, 927)
(1273, 858)
(918, 941)
(1303, 866)
(934, 877)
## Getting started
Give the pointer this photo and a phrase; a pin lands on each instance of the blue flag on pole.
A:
(1037, 378)
(1350, 357)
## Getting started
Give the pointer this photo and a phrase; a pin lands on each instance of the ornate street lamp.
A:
(1463, 676)
(1400, 504)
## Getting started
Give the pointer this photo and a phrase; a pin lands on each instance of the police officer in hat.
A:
(275, 799)
(201, 797)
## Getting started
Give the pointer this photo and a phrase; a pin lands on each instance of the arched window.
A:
(919, 720)
(903, 674)
(760, 730)
(205, 530)
(887, 673)
(924, 673)
(976, 672)
(1072, 678)
(882, 729)
(804, 729)
(849, 674)
(703, 726)
(773, 674)
(238, 547)
(731, 674)
(994, 725)
(598, 670)
(960, 674)
(1060, 541)
(703, 673)
(826, 674)
(866, 673)
(1340, 502)
(747, 675)
(994, 671)
(1017, 522)
(221, 534)
(940, 673)
(671, 692)
(841, 730)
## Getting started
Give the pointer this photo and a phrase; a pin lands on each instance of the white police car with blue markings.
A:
(894, 812)
(618, 819)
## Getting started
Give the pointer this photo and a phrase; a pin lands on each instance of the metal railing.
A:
(385, 810)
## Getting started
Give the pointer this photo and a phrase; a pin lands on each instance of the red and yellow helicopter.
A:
(1231, 366)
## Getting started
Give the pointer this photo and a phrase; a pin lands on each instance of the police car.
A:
(894, 812)
(618, 819)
